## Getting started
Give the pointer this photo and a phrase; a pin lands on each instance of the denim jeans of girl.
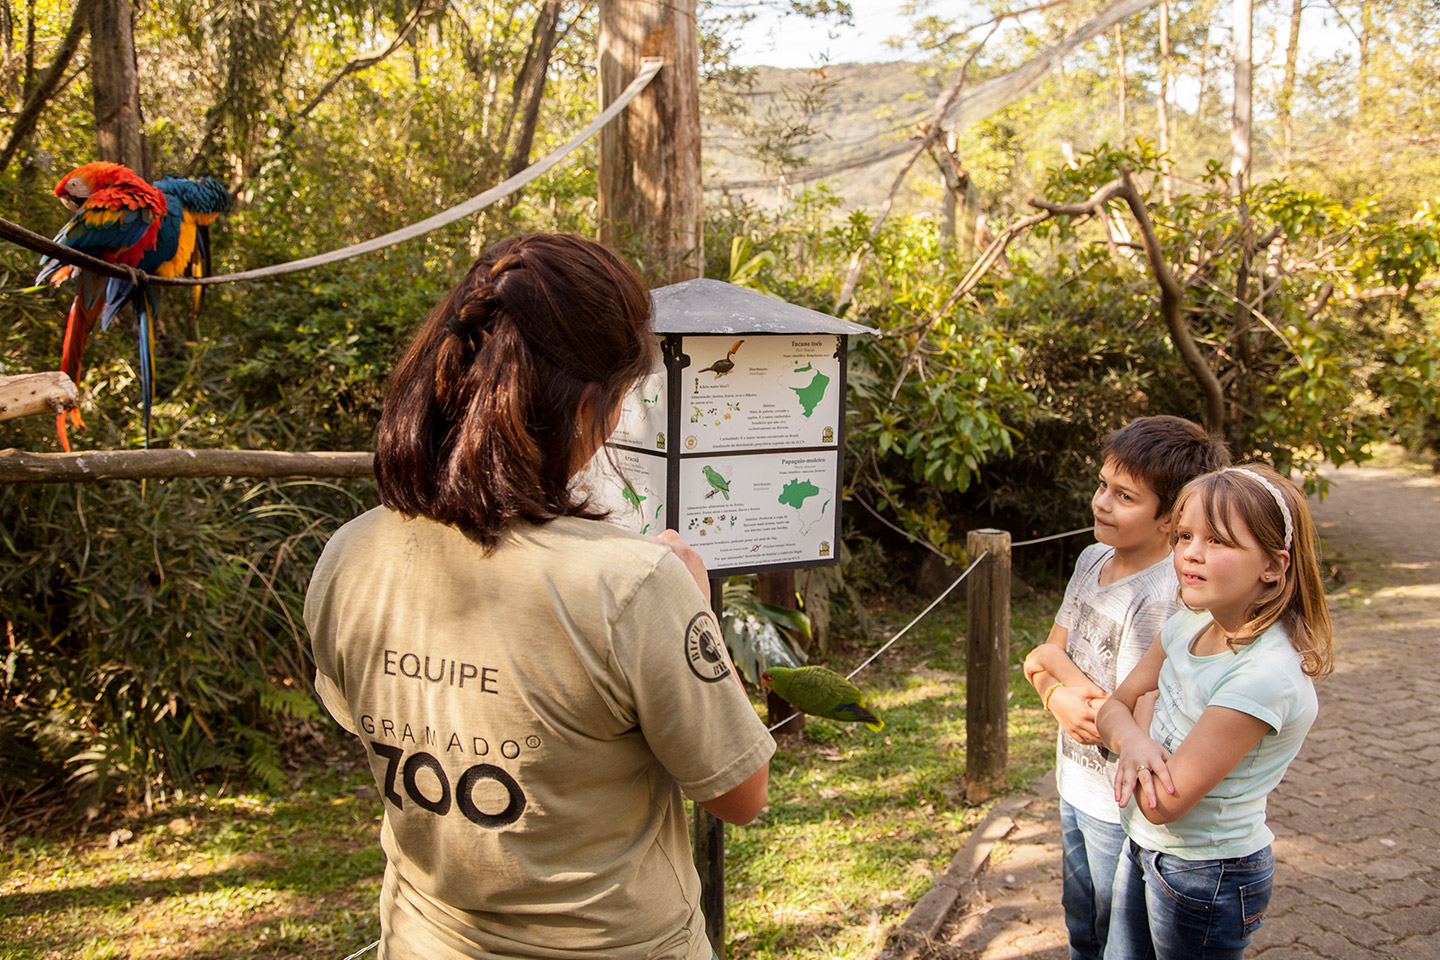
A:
(1167, 908)
(1091, 852)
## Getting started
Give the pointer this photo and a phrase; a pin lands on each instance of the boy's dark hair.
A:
(479, 424)
(1166, 453)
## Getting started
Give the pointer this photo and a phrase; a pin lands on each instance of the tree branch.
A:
(355, 66)
(49, 82)
(1171, 296)
(930, 132)
(19, 466)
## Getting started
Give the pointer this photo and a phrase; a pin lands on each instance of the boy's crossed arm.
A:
(1076, 698)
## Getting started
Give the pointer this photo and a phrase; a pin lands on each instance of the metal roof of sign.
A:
(714, 306)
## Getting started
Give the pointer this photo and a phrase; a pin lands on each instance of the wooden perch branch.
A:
(19, 466)
(31, 393)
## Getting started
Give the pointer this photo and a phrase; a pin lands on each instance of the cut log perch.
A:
(20, 466)
(30, 393)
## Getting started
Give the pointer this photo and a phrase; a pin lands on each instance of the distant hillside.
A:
(856, 109)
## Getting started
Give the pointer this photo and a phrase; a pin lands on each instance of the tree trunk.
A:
(1287, 87)
(1207, 13)
(1367, 31)
(39, 90)
(530, 88)
(1240, 115)
(650, 193)
(1164, 102)
(115, 80)
(1120, 62)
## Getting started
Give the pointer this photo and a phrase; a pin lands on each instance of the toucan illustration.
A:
(722, 367)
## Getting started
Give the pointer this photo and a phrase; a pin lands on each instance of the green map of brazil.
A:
(812, 393)
(804, 497)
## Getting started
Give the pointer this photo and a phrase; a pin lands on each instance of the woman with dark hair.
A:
(534, 688)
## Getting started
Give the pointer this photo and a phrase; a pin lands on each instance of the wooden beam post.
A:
(778, 588)
(709, 840)
(987, 665)
(650, 185)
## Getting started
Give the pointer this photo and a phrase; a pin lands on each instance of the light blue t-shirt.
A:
(1263, 679)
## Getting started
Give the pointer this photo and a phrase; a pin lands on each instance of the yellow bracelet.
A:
(1050, 690)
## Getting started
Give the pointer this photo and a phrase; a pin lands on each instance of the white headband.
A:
(1279, 500)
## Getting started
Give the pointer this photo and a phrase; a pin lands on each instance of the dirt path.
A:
(1356, 818)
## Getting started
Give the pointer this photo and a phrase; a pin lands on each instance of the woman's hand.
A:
(1142, 762)
(690, 558)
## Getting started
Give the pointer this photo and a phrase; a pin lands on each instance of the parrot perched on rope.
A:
(820, 692)
(160, 228)
(117, 218)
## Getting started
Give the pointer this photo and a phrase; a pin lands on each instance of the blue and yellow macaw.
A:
(182, 248)
(117, 218)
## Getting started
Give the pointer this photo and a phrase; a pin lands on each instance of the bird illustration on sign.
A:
(722, 367)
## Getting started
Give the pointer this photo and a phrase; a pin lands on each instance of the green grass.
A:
(858, 826)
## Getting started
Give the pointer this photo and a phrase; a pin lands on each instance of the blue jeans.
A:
(1091, 852)
(1167, 908)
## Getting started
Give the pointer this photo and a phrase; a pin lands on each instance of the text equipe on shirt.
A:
(450, 672)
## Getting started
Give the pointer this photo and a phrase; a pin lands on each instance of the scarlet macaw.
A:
(117, 219)
(177, 242)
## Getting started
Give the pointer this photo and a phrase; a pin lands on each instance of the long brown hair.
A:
(1297, 600)
(480, 420)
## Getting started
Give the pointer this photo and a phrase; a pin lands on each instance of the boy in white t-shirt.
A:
(1122, 591)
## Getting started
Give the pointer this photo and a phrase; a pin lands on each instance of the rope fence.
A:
(57, 251)
(936, 602)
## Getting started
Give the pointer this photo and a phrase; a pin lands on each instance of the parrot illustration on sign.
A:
(718, 484)
(631, 497)
(820, 692)
(722, 367)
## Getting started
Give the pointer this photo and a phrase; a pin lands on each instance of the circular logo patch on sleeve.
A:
(703, 649)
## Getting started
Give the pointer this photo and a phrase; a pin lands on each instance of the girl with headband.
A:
(1234, 672)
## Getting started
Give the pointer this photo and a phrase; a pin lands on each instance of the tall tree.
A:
(1240, 124)
(115, 85)
(1120, 64)
(1287, 86)
(1163, 103)
(650, 192)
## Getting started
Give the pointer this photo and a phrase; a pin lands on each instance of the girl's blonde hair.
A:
(1297, 600)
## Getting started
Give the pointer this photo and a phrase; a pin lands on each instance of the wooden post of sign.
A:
(709, 852)
(650, 188)
(987, 665)
(778, 588)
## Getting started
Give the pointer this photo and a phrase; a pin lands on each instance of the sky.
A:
(775, 40)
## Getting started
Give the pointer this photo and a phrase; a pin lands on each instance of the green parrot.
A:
(718, 483)
(820, 692)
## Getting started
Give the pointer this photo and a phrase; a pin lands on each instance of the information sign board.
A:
(736, 437)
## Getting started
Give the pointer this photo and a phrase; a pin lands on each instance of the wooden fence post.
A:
(987, 665)
(709, 852)
(778, 588)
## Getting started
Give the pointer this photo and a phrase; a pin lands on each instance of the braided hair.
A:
(482, 419)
